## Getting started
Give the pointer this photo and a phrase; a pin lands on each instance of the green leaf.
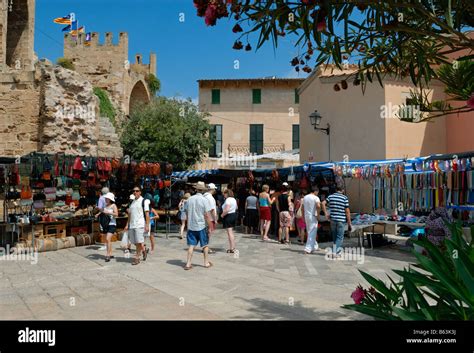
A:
(374, 312)
(380, 286)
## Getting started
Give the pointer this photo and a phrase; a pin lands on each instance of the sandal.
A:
(209, 265)
(145, 253)
(107, 259)
(187, 268)
(136, 262)
(230, 251)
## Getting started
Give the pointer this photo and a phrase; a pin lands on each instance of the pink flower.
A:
(470, 102)
(358, 295)
(211, 15)
(321, 26)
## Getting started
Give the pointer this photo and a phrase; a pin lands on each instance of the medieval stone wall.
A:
(107, 66)
(19, 118)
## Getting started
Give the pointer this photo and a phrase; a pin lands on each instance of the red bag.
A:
(56, 166)
(115, 163)
(77, 164)
(107, 166)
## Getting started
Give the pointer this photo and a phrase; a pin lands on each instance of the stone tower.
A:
(19, 86)
(106, 66)
(17, 23)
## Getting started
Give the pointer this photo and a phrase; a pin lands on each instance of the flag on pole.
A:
(66, 20)
(88, 39)
(76, 31)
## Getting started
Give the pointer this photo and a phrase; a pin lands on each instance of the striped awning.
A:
(194, 173)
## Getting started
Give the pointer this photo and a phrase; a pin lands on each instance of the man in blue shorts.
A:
(198, 213)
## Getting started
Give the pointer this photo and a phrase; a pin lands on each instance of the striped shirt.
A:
(337, 207)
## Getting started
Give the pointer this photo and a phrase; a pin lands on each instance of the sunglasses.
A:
(136, 190)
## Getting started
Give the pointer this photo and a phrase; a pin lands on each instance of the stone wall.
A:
(69, 112)
(19, 117)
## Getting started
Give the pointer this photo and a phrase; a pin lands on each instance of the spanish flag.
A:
(66, 20)
(79, 30)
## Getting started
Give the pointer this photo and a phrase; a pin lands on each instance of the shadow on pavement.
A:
(269, 310)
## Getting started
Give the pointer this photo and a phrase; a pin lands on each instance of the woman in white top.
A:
(111, 211)
(229, 216)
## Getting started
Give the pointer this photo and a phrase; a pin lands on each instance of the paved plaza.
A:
(264, 280)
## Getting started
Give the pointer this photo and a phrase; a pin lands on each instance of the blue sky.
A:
(187, 51)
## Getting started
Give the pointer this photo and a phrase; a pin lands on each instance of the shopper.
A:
(339, 215)
(108, 221)
(138, 223)
(283, 206)
(209, 196)
(101, 205)
(299, 217)
(154, 217)
(251, 213)
(229, 216)
(265, 204)
(311, 210)
(198, 213)
(182, 213)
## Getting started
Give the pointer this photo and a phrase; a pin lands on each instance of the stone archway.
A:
(138, 95)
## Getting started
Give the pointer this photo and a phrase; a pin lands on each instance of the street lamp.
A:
(315, 119)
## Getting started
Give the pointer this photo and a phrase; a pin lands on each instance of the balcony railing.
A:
(244, 148)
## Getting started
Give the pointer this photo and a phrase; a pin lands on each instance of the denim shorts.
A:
(197, 237)
(111, 229)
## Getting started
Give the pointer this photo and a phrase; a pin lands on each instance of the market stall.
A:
(48, 201)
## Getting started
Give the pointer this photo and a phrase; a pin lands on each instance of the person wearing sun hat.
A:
(108, 222)
(198, 213)
(209, 196)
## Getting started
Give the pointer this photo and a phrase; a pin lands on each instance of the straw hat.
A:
(110, 196)
(200, 186)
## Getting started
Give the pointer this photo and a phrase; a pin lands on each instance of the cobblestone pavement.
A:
(262, 281)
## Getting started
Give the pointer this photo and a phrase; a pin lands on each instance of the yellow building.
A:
(250, 116)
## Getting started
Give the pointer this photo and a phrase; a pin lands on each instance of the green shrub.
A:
(106, 107)
(446, 280)
(154, 85)
(66, 63)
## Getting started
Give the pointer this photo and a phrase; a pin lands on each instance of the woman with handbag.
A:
(108, 222)
(182, 213)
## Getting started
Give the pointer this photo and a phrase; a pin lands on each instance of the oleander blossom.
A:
(470, 102)
(358, 295)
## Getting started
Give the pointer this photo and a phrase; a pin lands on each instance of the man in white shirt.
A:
(198, 212)
(138, 223)
(311, 210)
(209, 196)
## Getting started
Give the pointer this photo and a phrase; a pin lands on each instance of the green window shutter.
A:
(256, 138)
(296, 137)
(216, 138)
(297, 97)
(257, 96)
(216, 96)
